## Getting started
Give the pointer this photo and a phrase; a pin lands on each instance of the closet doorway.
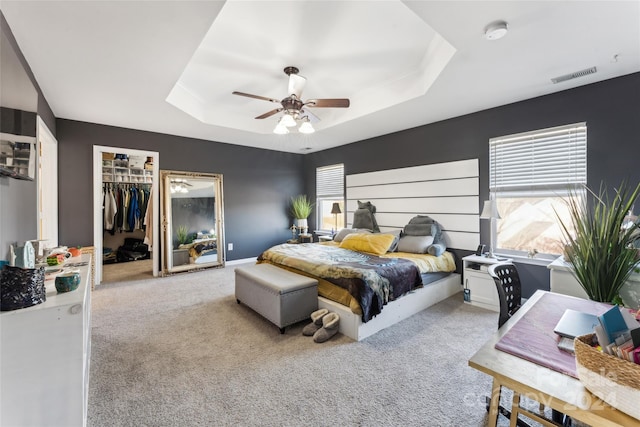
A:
(125, 235)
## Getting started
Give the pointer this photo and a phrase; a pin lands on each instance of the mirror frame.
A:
(166, 219)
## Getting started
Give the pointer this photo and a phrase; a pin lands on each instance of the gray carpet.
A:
(179, 351)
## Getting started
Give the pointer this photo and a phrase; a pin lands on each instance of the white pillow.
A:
(415, 244)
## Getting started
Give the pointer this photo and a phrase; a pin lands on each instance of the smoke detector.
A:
(495, 30)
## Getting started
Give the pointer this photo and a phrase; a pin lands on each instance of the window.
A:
(530, 176)
(330, 190)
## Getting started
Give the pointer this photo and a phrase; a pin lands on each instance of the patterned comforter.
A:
(373, 281)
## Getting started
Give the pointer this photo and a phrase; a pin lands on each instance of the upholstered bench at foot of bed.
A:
(282, 297)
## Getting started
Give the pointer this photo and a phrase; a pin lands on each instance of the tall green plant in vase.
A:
(301, 208)
(600, 249)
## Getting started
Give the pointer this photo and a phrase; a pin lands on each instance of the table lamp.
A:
(490, 212)
(335, 210)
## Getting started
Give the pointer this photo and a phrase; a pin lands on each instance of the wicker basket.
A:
(615, 381)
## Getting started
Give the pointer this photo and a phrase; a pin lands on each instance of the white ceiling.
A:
(117, 62)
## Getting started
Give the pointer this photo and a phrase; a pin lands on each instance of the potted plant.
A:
(600, 247)
(182, 233)
(301, 208)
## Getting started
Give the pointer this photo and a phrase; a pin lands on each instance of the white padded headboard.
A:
(447, 192)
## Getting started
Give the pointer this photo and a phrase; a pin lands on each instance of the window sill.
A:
(526, 260)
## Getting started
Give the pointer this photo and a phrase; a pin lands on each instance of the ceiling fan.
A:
(294, 107)
(179, 185)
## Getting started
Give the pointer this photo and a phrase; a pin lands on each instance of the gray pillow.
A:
(345, 231)
(415, 244)
(420, 223)
(436, 249)
(364, 217)
(419, 230)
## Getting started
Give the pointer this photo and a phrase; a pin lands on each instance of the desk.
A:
(559, 391)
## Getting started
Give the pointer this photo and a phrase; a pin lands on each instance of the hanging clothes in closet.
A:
(124, 206)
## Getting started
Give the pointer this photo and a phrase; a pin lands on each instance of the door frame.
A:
(47, 175)
(97, 204)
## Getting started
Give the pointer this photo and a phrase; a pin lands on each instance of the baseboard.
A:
(240, 261)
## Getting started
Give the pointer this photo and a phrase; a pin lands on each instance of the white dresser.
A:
(45, 352)
(562, 281)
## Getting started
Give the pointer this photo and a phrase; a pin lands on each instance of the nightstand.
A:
(482, 288)
(305, 238)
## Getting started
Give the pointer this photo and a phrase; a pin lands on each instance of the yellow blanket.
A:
(427, 263)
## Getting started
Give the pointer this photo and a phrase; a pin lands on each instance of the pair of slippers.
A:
(324, 325)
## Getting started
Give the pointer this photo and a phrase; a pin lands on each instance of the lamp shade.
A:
(287, 120)
(281, 129)
(490, 210)
(306, 128)
(335, 209)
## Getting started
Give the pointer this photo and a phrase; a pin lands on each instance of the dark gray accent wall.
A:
(17, 122)
(257, 183)
(610, 108)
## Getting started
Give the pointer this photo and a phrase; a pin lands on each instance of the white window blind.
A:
(330, 181)
(550, 159)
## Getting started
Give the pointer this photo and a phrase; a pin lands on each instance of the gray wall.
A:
(18, 207)
(610, 108)
(257, 183)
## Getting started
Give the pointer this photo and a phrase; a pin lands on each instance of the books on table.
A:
(614, 325)
(617, 333)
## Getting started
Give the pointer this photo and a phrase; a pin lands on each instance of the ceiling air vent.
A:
(574, 75)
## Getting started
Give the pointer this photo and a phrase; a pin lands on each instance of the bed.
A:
(202, 251)
(369, 291)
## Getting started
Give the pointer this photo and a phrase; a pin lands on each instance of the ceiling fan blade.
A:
(328, 103)
(296, 85)
(270, 113)
(312, 117)
(248, 95)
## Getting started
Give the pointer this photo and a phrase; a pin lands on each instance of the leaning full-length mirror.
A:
(192, 223)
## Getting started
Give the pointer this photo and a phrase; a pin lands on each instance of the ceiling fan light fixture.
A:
(496, 30)
(306, 127)
(287, 120)
(280, 129)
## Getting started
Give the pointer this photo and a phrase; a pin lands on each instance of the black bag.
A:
(132, 250)
(21, 287)
(134, 245)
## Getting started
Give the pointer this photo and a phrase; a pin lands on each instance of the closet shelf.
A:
(119, 171)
